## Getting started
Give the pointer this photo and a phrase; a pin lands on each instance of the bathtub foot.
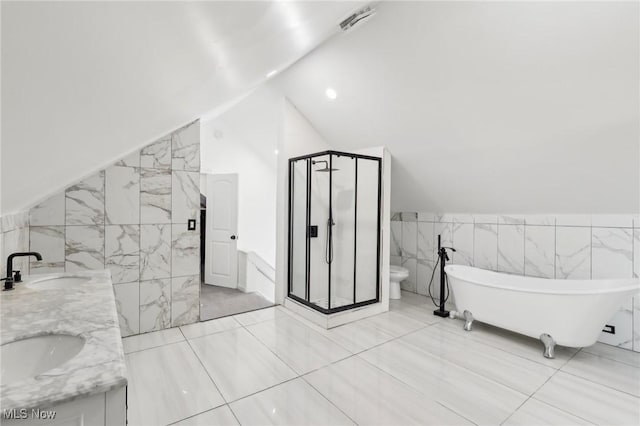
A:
(468, 318)
(549, 345)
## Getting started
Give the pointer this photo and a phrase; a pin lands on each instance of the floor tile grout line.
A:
(328, 400)
(446, 361)
(504, 350)
(206, 371)
(532, 396)
(610, 358)
(600, 384)
(411, 387)
(513, 353)
(155, 347)
(196, 414)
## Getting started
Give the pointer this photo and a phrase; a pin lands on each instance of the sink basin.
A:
(30, 357)
(56, 283)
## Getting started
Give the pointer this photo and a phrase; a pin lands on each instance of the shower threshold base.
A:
(336, 302)
(333, 320)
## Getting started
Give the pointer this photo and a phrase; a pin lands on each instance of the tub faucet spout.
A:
(549, 345)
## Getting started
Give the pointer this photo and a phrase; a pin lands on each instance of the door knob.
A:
(233, 237)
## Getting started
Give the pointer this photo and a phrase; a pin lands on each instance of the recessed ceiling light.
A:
(275, 152)
(271, 73)
(331, 94)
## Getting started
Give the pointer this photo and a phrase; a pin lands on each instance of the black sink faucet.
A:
(11, 278)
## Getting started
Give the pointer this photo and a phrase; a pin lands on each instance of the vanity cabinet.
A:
(104, 409)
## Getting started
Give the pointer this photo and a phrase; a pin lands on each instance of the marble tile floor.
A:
(403, 367)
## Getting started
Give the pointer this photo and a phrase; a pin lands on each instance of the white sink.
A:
(56, 283)
(30, 357)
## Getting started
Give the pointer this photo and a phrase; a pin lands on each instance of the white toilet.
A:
(396, 275)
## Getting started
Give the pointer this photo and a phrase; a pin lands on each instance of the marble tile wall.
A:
(547, 246)
(14, 237)
(131, 218)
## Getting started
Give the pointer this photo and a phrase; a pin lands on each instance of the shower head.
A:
(325, 168)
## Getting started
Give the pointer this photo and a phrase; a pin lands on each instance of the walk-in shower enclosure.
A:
(334, 230)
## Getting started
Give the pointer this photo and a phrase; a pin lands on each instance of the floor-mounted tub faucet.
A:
(16, 278)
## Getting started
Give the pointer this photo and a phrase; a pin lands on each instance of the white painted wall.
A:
(297, 137)
(521, 107)
(243, 140)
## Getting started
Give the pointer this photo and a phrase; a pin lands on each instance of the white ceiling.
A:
(488, 106)
(85, 82)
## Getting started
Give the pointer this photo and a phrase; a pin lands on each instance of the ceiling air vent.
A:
(358, 17)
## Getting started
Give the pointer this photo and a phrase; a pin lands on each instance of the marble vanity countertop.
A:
(87, 310)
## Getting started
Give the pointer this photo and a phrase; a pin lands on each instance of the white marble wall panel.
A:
(540, 220)
(539, 251)
(423, 276)
(157, 155)
(410, 283)
(636, 324)
(14, 221)
(185, 250)
(122, 252)
(611, 253)
(573, 220)
(185, 147)
(636, 274)
(426, 240)
(395, 260)
(511, 220)
(409, 216)
(185, 306)
(488, 219)
(409, 239)
(426, 217)
(155, 251)
(396, 238)
(121, 218)
(185, 196)
(573, 252)
(636, 253)
(612, 257)
(511, 248)
(155, 305)
(622, 322)
(49, 241)
(122, 195)
(127, 303)
(445, 230)
(15, 240)
(485, 246)
(84, 248)
(612, 221)
(131, 160)
(49, 212)
(463, 243)
(155, 196)
(85, 201)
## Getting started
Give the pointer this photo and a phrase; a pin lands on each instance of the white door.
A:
(221, 253)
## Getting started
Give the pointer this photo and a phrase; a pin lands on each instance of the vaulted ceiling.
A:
(502, 107)
(85, 82)
(514, 107)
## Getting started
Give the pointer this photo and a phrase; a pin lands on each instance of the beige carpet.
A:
(216, 302)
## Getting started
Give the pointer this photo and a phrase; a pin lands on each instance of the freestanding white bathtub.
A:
(564, 312)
